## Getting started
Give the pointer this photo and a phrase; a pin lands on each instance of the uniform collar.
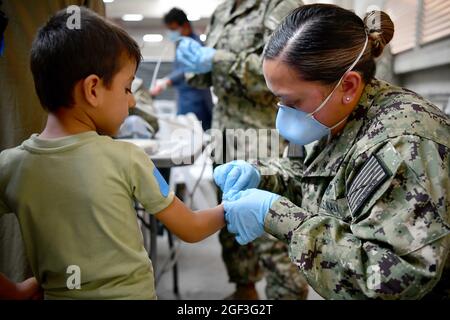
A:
(243, 7)
(324, 159)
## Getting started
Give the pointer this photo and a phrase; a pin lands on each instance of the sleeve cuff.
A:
(176, 78)
(283, 218)
(163, 204)
(223, 55)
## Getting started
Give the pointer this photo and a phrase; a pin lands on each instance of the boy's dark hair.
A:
(176, 15)
(62, 55)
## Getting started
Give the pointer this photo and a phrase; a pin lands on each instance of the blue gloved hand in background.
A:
(236, 176)
(194, 57)
(245, 213)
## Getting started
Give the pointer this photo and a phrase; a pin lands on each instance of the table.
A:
(168, 154)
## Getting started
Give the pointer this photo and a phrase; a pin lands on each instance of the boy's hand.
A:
(28, 290)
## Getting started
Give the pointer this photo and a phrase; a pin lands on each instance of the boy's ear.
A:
(93, 89)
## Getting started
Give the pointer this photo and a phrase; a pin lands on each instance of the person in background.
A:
(231, 63)
(26, 290)
(190, 99)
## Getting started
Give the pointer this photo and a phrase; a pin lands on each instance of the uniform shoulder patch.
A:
(163, 186)
(371, 175)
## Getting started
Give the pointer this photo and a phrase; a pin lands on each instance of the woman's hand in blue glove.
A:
(236, 176)
(245, 213)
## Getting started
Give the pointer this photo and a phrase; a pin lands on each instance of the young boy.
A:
(73, 187)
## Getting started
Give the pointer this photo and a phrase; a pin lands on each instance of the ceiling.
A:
(198, 11)
(154, 10)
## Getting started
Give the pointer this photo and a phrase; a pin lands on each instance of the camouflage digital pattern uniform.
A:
(366, 215)
(244, 102)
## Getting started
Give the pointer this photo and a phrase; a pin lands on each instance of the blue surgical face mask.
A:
(302, 128)
(174, 36)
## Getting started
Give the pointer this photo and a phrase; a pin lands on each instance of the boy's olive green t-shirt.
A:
(74, 198)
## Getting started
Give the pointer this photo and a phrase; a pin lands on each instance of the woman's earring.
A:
(347, 99)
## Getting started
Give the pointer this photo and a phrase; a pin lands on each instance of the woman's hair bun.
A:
(380, 29)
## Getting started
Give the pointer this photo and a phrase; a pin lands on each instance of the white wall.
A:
(433, 83)
(425, 70)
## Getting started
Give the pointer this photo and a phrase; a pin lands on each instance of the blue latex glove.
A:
(194, 57)
(245, 213)
(236, 176)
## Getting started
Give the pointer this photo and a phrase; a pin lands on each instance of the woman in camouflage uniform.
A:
(366, 212)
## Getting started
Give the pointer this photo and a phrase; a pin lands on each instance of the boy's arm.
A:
(26, 290)
(191, 226)
(149, 188)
